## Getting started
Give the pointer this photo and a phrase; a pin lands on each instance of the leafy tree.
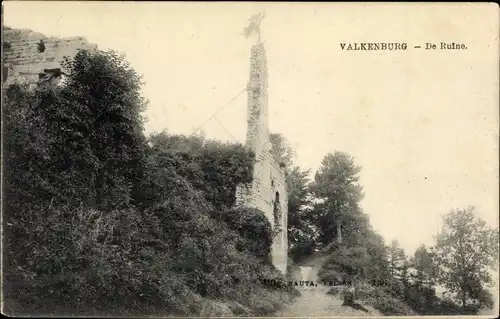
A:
(397, 259)
(281, 149)
(423, 266)
(405, 278)
(464, 249)
(298, 193)
(355, 249)
(89, 131)
(73, 157)
(301, 232)
(336, 186)
(378, 267)
(398, 269)
(421, 292)
(103, 94)
(61, 140)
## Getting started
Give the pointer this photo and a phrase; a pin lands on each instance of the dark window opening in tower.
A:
(277, 210)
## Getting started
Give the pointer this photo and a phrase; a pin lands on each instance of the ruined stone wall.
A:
(23, 59)
(268, 176)
(280, 244)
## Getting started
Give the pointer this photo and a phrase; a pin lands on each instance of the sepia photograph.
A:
(250, 159)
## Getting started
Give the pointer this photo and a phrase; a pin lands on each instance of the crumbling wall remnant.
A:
(27, 54)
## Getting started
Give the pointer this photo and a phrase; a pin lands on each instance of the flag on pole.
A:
(253, 25)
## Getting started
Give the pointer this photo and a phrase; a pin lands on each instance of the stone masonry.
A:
(267, 192)
(28, 56)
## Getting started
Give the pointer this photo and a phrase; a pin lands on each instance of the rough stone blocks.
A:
(27, 53)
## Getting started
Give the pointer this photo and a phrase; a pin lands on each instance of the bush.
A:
(88, 260)
(422, 299)
(380, 299)
(254, 228)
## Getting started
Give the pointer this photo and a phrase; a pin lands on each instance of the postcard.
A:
(253, 159)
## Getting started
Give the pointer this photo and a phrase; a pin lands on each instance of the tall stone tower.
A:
(267, 192)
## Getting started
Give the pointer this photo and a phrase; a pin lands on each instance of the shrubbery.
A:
(254, 229)
(381, 299)
(100, 220)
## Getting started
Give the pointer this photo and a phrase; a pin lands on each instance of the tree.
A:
(297, 182)
(398, 269)
(378, 267)
(73, 154)
(397, 259)
(355, 250)
(423, 266)
(281, 149)
(79, 144)
(301, 239)
(105, 93)
(465, 247)
(337, 192)
(422, 277)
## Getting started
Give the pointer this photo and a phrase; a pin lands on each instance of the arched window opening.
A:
(277, 211)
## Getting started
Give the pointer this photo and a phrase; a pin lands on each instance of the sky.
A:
(422, 124)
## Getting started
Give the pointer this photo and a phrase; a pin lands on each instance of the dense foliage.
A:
(101, 220)
(326, 224)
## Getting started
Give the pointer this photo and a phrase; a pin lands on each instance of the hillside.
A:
(101, 219)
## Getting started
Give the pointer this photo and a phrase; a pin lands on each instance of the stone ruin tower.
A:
(267, 192)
